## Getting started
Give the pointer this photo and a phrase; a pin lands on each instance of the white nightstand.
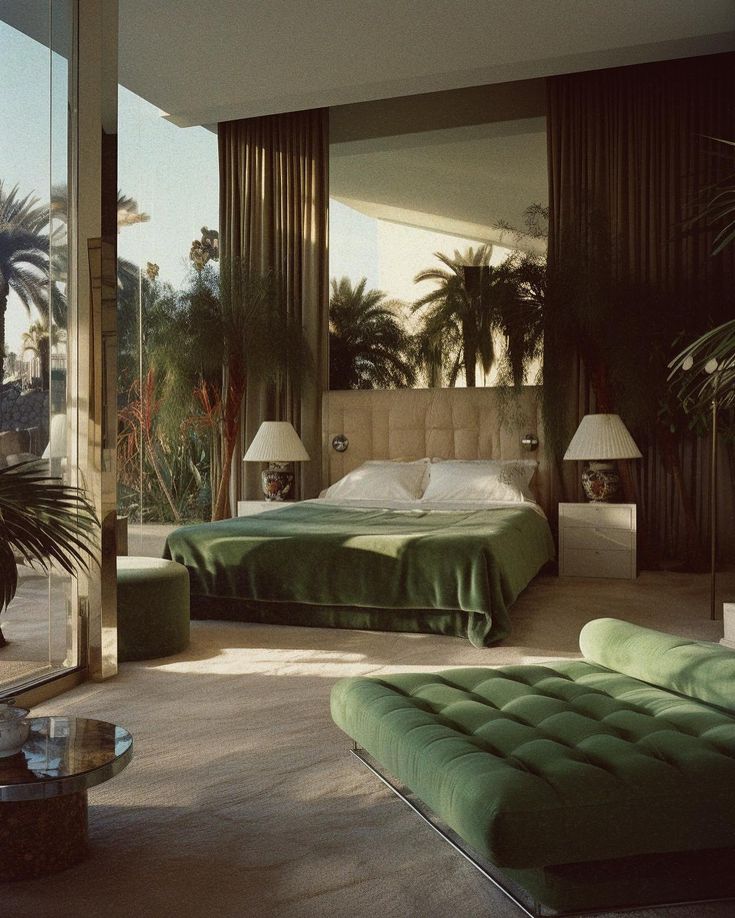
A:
(251, 507)
(597, 540)
(728, 623)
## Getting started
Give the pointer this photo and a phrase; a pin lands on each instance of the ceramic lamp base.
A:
(600, 482)
(278, 482)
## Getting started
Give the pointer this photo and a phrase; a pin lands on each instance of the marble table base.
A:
(39, 837)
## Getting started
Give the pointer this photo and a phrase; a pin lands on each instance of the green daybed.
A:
(602, 782)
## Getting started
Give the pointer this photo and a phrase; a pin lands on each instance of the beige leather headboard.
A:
(485, 423)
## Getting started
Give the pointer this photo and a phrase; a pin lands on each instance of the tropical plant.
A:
(160, 477)
(128, 211)
(368, 345)
(24, 254)
(704, 372)
(167, 428)
(42, 521)
(521, 301)
(437, 351)
(210, 340)
(39, 339)
(459, 315)
(29, 251)
(718, 212)
(205, 249)
(259, 341)
(138, 437)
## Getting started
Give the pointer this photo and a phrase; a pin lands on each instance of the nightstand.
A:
(251, 507)
(597, 540)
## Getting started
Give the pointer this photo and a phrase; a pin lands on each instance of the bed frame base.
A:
(525, 904)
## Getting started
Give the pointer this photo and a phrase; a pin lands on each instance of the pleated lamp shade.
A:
(602, 436)
(276, 441)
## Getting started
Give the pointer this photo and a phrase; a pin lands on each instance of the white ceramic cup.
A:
(14, 729)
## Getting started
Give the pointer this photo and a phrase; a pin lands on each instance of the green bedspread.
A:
(324, 564)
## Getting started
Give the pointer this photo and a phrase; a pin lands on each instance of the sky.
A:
(25, 74)
(172, 172)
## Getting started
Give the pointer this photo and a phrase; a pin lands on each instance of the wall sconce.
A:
(529, 442)
(340, 443)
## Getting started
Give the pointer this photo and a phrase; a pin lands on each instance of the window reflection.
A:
(437, 242)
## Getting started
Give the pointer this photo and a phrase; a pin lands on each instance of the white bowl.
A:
(14, 729)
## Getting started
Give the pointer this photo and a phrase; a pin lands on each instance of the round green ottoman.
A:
(152, 608)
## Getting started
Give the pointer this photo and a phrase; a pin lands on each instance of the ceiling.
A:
(224, 59)
(441, 155)
(457, 162)
(201, 63)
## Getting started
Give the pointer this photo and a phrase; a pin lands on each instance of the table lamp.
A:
(276, 443)
(601, 438)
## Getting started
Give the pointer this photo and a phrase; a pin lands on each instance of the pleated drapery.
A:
(628, 161)
(274, 192)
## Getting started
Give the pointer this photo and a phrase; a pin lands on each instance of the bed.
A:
(401, 546)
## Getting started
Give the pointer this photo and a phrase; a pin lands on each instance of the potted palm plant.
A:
(703, 374)
(43, 523)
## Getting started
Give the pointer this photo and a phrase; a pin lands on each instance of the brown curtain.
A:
(274, 191)
(628, 162)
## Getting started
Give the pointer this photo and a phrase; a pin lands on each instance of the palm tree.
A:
(39, 339)
(128, 214)
(459, 315)
(521, 300)
(368, 347)
(437, 351)
(24, 255)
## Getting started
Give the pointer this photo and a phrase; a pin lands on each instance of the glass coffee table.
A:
(43, 792)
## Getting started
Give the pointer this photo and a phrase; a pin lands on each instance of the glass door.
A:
(39, 389)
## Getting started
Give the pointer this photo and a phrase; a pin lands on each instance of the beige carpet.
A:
(242, 799)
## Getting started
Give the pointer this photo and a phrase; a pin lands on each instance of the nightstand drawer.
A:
(586, 562)
(605, 539)
(597, 516)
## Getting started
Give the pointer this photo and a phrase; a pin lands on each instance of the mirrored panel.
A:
(438, 240)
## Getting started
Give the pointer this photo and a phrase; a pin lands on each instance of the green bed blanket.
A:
(464, 567)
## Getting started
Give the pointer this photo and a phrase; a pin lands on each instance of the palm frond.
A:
(720, 207)
(369, 347)
(44, 521)
(705, 370)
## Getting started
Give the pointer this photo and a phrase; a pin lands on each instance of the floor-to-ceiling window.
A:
(36, 76)
(167, 261)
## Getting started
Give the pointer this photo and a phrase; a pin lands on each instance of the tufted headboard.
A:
(485, 423)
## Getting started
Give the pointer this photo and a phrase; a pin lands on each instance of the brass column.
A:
(96, 280)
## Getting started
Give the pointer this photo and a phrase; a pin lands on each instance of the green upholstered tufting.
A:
(152, 608)
(698, 669)
(554, 764)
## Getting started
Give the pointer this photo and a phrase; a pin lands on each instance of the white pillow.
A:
(381, 479)
(491, 480)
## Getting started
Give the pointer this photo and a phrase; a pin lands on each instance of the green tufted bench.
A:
(152, 608)
(589, 783)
